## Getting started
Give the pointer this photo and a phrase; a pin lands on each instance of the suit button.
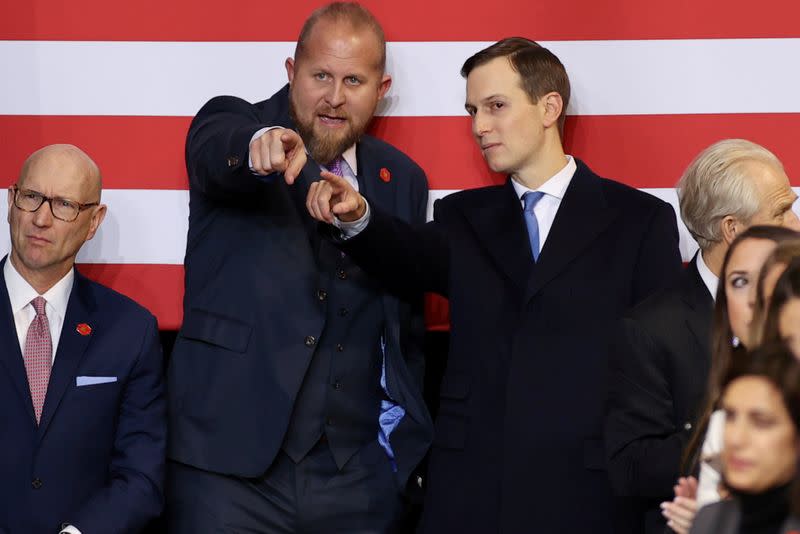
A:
(343, 312)
(322, 294)
(233, 161)
(311, 341)
(339, 348)
(341, 274)
(687, 426)
(337, 385)
(330, 421)
(36, 483)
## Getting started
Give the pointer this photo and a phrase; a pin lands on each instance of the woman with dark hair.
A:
(731, 326)
(761, 402)
(782, 320)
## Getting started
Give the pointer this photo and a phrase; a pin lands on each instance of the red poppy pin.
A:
(83, 329)
(385, 175)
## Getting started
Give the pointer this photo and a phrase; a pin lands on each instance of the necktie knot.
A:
(335, 166)
(39, 305)
(530, 199)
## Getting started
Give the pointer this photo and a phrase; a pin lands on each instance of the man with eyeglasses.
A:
(82, 417)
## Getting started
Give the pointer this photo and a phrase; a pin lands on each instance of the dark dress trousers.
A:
(96, 459)
(658, 375)
(518, 437)
(284, 339)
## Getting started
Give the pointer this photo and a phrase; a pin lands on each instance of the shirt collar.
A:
(349, 156)
(709, 279)
(556, 185)
(21, 293)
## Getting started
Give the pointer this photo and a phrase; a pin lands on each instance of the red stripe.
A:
(641, 150)
(159, 288)
(132, 152)
(409, 20)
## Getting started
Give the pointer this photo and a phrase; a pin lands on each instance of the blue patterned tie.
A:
(530, 199)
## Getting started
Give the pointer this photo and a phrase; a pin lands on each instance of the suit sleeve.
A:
(406, 258)
(218, 146)
(643, 445)
(415, 359)
(134, 492)
(659, 261)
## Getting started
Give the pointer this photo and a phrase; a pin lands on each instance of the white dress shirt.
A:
(554, 188)
(709, 279)
(710, 476)
(21, 293)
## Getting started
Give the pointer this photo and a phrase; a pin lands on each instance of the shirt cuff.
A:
(353, 228)
(256, 135)
(69, 529)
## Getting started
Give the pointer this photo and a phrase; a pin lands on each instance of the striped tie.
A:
(335, 166)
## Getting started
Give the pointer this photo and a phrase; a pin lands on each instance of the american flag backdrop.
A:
(653, 83)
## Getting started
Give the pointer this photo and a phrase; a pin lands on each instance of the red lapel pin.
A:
(385, 175)
(83, 329)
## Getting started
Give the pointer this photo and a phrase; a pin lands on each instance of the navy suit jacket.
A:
(96, 460)
(518, 437)
(658, 376)
(251, 312)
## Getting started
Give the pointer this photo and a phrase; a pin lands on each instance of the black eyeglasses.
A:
(61, 208)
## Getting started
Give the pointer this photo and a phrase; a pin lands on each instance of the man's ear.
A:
(553, 106)
(730, 227)
(10, 204)
(386, 83)
(98, 214)
(290, 69)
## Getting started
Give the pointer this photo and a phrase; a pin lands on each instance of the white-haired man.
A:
(659, 365)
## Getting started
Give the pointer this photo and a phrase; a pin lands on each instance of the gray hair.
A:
(718, 183)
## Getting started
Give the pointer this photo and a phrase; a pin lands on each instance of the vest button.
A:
(343, 312)
(341, 274)
(36, 483)
(311, 341)
(339, 347)
(322, 294)
(337, 385)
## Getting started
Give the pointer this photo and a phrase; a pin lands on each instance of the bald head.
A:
(354, 17)
(68, 163)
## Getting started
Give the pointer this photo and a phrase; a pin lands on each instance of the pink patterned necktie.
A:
(38, 356)
(335, 166)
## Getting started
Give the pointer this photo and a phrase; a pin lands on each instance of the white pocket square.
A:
(92, 380)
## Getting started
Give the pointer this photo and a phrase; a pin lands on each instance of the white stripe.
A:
(149, 226)
(141, 226)
(608, 77)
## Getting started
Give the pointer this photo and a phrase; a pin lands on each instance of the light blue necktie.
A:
(529, 200)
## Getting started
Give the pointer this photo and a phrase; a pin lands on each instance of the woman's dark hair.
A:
(722, 348)
(786, 288)
(775, 362)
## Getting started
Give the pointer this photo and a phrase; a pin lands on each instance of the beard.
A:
(324, 146)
